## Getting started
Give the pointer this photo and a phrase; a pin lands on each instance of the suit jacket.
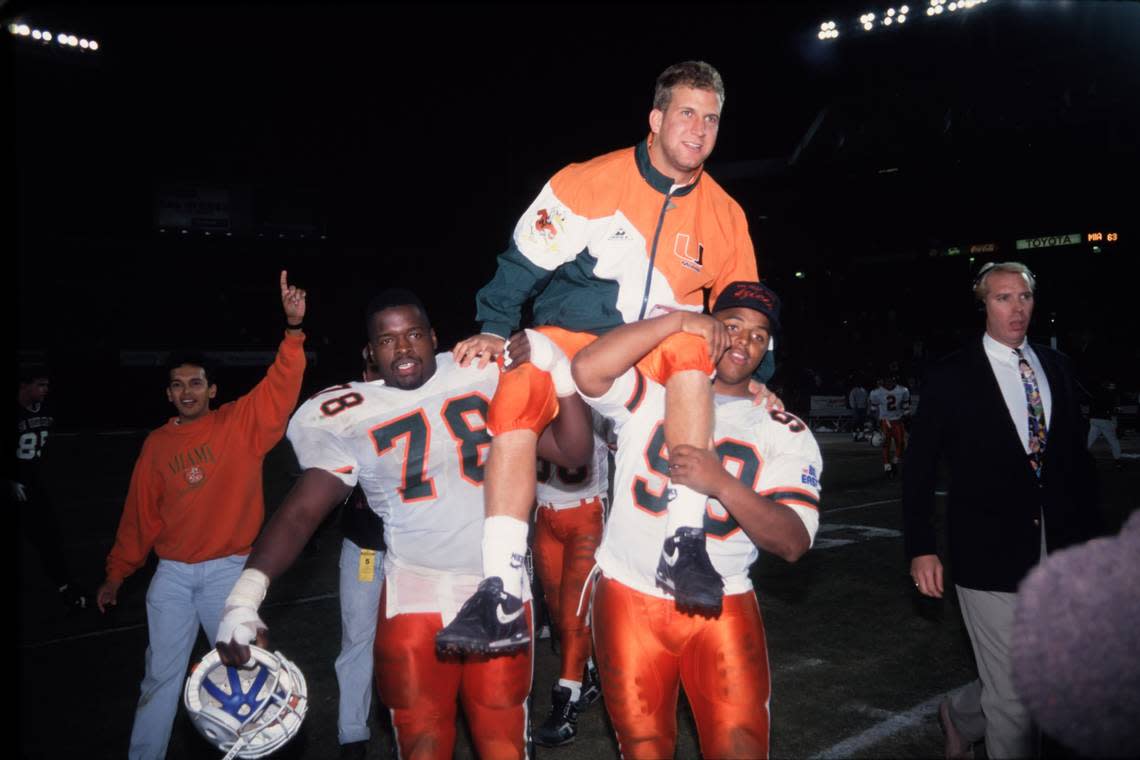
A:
(996, 500)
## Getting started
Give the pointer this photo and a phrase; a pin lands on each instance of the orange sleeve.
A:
(263, 413)
(741, 263)
(140, 524)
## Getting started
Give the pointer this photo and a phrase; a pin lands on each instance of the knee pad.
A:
(678, 353)
(524, 400)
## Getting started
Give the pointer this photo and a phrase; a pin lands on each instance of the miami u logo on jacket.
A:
(681, 251)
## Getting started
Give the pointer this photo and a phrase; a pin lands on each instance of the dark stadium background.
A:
(366, 145)
(412, 137)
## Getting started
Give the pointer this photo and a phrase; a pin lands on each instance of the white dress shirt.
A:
(1003, 360)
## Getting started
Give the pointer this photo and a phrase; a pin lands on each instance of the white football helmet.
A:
(247, 712)
(877, 438)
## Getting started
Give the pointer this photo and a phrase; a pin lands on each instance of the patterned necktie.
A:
(1037, 429)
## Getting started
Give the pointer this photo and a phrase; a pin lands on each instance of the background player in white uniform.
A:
(763, 477)
(568, 529)
(890, 402)
(416, 443)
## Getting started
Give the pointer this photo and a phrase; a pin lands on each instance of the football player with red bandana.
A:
(761, 479)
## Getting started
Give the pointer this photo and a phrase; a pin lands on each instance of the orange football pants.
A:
(893, 430)
(644, 646)
(421, 690)
(564, 544)
(525, 398)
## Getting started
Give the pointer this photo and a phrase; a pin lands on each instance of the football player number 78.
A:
(464, 418)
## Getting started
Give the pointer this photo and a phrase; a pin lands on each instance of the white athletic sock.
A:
(686, 510)
(504, 551)
(575, 688)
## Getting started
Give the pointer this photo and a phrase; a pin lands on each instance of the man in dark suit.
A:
(1005, 415)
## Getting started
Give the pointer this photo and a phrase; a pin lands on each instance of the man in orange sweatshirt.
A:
(196, 498)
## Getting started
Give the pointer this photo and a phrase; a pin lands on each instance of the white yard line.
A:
(888, 727)
(871, 504)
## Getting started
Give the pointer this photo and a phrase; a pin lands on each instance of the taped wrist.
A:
(240, 621)
(249, 591)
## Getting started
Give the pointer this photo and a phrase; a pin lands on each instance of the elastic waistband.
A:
(567, 504)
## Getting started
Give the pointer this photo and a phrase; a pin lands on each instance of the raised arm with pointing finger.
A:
(195, 499)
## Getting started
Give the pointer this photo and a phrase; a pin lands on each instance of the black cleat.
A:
(591, 688)
(561, 726)
(686, 572)
(490, 622)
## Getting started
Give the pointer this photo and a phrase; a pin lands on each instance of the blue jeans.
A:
(359, 607)
(181, 597)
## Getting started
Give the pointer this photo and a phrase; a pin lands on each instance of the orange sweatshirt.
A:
(196, 490)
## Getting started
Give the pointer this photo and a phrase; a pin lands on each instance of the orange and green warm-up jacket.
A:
(612, 241)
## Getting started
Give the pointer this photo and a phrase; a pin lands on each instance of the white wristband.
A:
(250, 589)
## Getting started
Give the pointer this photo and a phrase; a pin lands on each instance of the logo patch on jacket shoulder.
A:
(548, 223)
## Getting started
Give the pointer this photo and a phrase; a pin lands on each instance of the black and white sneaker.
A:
(490, 622)
(561, 726)
(591, 688)
(686, 572)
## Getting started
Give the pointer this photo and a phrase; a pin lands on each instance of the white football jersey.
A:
(889, 404)
(418, 454)
(560, 488)
(773, 452)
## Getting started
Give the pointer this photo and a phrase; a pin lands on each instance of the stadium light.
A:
(83, 44)
(904, 10)
(47, 36)
(887, 21)
(93, 46)
(36, 34)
